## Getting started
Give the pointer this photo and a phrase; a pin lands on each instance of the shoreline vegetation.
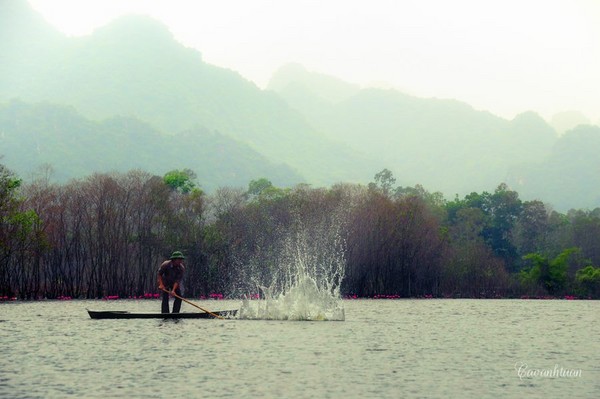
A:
(220, 297)
(103, 236)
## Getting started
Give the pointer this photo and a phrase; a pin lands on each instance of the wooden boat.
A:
(121, 314)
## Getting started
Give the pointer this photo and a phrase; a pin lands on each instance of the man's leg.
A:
(177, 302)
(165, 303)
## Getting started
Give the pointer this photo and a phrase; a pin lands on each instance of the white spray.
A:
(309, 267)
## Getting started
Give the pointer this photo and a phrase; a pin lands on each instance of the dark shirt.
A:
(170, 273)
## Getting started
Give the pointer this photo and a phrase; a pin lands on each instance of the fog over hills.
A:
(130, 96)
(41, 135)
(133, 67)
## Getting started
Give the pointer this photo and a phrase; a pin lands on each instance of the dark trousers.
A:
(176, 303)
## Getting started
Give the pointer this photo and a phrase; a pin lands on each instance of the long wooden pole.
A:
(193, 304)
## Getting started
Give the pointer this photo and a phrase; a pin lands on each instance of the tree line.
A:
(106, 234)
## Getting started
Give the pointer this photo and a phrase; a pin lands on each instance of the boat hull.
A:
(119, 314)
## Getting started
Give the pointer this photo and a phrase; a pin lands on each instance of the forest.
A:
(105, 235)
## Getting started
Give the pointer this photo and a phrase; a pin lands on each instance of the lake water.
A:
(383, 349)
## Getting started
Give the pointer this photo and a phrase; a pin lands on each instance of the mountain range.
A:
(130, 96)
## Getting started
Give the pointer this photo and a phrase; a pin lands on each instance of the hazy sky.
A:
(505, 56)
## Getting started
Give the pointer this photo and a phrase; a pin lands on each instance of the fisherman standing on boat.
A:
(170, 274)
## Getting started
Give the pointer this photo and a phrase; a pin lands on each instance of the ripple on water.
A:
(384, 349)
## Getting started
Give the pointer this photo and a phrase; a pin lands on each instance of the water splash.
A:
(309, 265)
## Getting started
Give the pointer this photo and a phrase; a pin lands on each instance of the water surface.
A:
(383, 349)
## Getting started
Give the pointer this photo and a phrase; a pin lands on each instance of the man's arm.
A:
(161, 284)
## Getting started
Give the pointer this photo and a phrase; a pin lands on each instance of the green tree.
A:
(19, 229)
(8, 208)
(585, 227)
(262, 189)
(181, 180)
(257, 187)
(384, 181)
(503, 208)
(471, 268)
(501, 211)
(550, 274)
(531, 228)
(588, 281)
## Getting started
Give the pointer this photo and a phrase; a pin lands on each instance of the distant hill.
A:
(445, 145)
(569, 175)
(297, 84)
(130, 96)
(133, 67)
(448, 146)
(26, 41)
(35, 135)
(567, 120)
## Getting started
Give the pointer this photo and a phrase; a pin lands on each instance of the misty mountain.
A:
(569, 175)
(567, 120)
(45, 134)
(26, 40)
(442, 144)
(448, 146)
(133, 67)
(130, 96)
(310, 90)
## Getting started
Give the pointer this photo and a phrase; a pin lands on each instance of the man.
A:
(170, 274)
